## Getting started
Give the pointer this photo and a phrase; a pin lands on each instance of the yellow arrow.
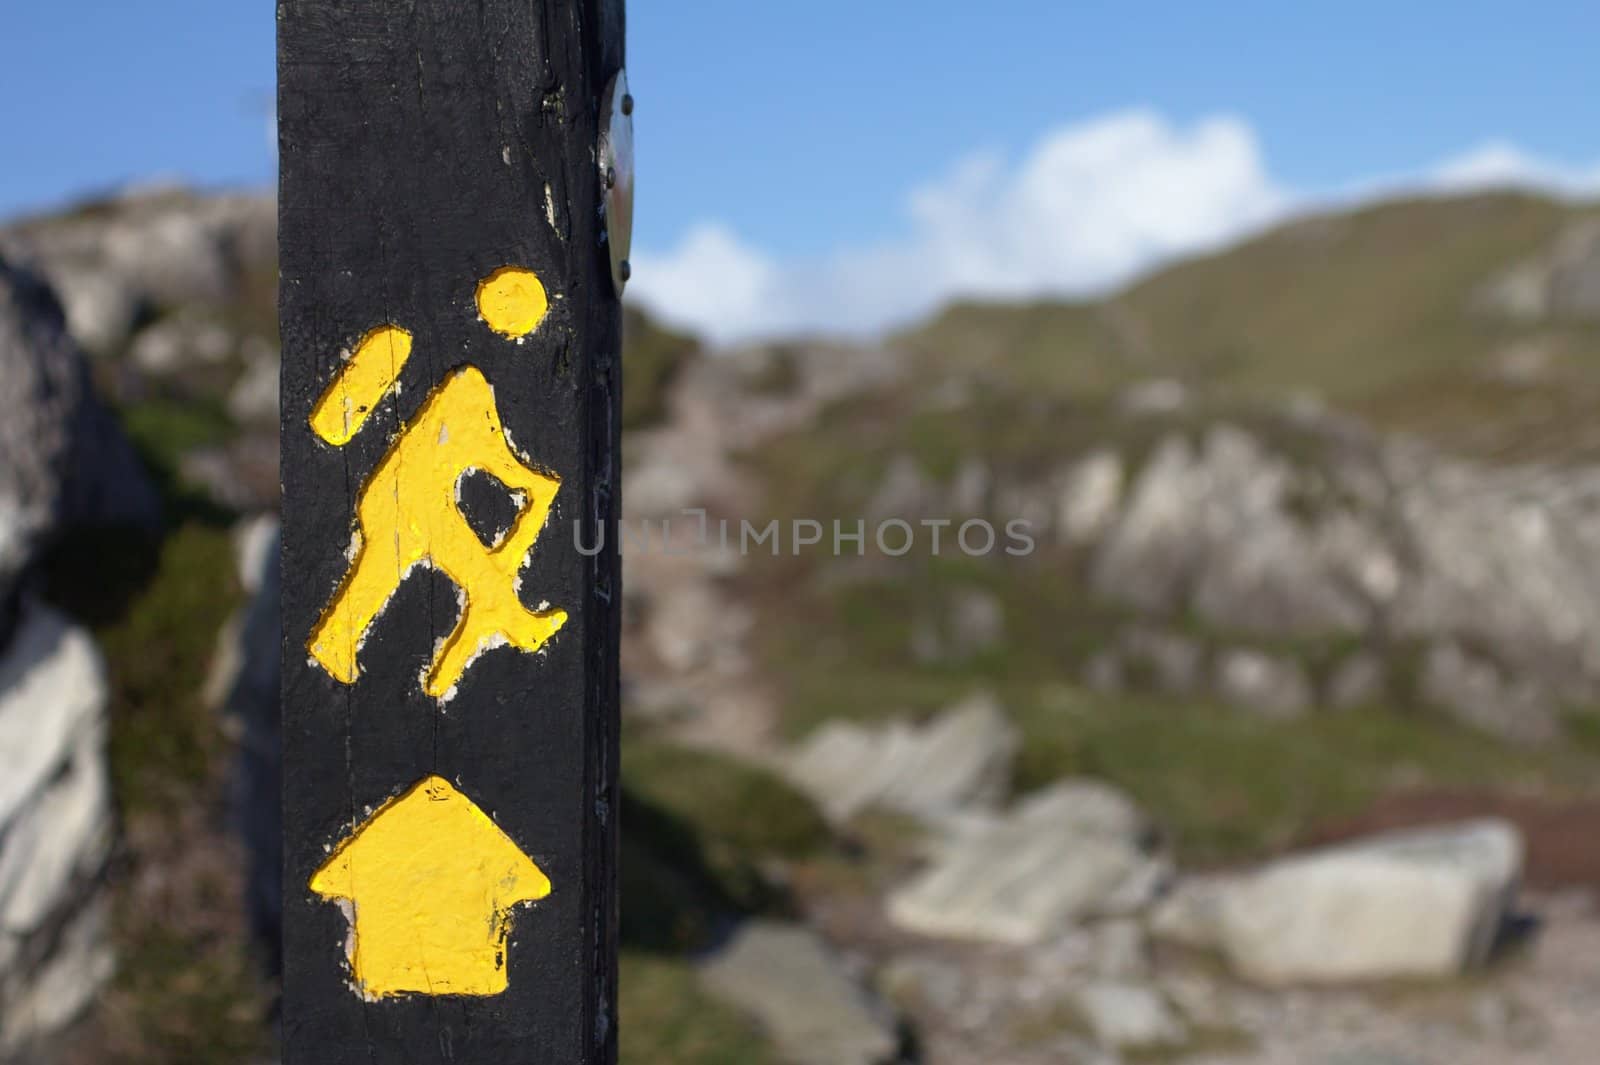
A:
(431, 882)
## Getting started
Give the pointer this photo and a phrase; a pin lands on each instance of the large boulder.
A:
(1079, 849)
(1331, 532)
(961, 760)
(788, 980)
(1213, 530)
(55, 828)
(63, 459)
(1423, 903)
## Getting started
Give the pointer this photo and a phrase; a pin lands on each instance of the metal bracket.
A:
(616, 175)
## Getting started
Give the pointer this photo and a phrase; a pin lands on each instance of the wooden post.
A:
(450, 403)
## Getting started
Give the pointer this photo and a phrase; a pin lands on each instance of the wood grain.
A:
(421, 145)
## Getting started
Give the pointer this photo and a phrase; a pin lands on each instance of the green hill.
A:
(1378, 310)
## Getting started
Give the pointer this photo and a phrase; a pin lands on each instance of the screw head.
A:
(627, 103)
(624, 270)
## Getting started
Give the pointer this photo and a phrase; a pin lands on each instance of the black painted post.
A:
(450, 392)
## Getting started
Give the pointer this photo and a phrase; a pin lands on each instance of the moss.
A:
(726, 802)
(162, 738)
(697, 831)
(163, 430)
(189, 987)
(667, 1019)
(1230, 786)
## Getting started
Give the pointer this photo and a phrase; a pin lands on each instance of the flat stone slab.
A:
(1416, 904)
(1079, 849)
(787, 979)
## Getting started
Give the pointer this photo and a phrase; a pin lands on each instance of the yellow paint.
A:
(408, 516)
(512, 300)
(361, 384)
(431, 883)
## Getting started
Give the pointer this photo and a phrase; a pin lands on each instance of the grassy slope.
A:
(1372, 309)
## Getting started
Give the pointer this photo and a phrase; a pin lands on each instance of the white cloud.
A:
(1090, 206)
(1499, 164)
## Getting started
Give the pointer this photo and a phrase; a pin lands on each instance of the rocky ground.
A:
(1279, 744)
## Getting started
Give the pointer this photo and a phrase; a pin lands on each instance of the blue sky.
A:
(791, 152)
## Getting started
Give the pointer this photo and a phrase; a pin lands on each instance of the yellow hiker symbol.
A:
(431, 883)
(408, 513)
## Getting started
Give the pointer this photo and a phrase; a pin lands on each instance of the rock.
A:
(1103, 672)
(180, 342)
(254, 396)
(243, 684)
(960, 760)
(973, 622)
(1216, 531)
(253, 540)
(1426, 903)
(969, 491)
(1272, 687)
(906, 492)
(63, 460)
(1087, 500)
(1171, 661)
(241, 475)
(1563, 281)
(59, 987)
(977, 622)
(1120, 949)
(797, 989)
(1474, 693)
(1502, 559)
(101, 309)
(55, 826)
(1159, 396)
(1129, 1016)
(1359, 680)
(1080, 849)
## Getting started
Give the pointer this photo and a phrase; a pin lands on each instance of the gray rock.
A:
(969, 491)
(1563, 281)
(170, 247)
(1216, 531)
(906, 492)
(251, 701)
(1129, 1016)
(1161, 395)
(1087, 499)
(1077, 850)
(55, 827)
(101, 308)
(1103, 672)
(961, 760)
(1172, 661)
(1271, 687)
(798, 990)
(1121, 950)
(1473, 692)
(1361, 536)
(1359, 680)
(976, 624)
(63, 460)
(254, 396)
(180, 342)
(1416, 904)
(60, 986)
